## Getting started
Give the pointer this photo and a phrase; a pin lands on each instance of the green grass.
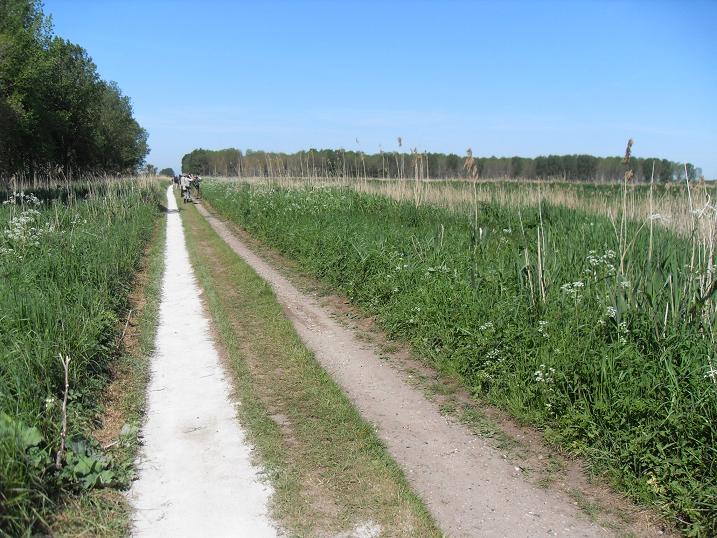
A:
(106, 512)
(613, 365)
(328, 469)
(67, 268)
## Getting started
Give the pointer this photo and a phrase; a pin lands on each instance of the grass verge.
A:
(67, 267)
(542, 463)
(329, 470)
(106, 512)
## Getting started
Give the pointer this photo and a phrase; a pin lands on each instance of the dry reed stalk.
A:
(416, 194)
(530, 276)
(540, 269)
(63, 435)
(651, 217)
(124, 331)
(629, 174)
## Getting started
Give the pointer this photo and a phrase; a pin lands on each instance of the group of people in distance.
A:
(187, 182)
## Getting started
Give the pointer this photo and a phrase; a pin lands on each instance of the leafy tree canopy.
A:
(339, 162)
(57, 116)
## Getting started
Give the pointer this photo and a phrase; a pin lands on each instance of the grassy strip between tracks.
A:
(329, 471)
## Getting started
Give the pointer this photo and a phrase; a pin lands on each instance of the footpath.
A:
(196, 476)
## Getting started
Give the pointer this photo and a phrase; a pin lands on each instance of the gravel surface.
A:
(196, 476)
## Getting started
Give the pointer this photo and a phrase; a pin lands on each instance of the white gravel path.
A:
(196, 477)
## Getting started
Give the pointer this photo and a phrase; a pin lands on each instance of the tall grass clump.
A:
(67, 258)
(566, 318)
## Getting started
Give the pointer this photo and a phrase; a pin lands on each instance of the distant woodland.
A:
(233, 162)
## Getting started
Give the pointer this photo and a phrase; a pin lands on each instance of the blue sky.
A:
(504, 78)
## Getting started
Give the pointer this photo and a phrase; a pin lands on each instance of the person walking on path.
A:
(185, 183)
(196, 180)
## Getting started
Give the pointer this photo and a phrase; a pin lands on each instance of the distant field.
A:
(588, 311)
(67, 258)
(670, 205)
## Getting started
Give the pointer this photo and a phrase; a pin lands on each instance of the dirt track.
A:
(467, 485)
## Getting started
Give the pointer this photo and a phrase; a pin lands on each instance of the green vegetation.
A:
(57, 117)
(602, 333)
(329, 470)
(67, 267)
(105, 511)
(339, 163)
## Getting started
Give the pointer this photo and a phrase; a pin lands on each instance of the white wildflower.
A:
(711, 371)
(573, 289)
(622, 332)
(542, 328)
(544, 375)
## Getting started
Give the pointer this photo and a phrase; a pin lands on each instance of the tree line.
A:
(233, 162)
(58, 118)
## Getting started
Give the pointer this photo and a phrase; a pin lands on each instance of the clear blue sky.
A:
(504, 78)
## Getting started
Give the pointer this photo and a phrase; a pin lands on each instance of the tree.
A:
(329, 162)
(122, 142)
(586, 167)
(169, 172)
(57, 116)
(664, 170)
